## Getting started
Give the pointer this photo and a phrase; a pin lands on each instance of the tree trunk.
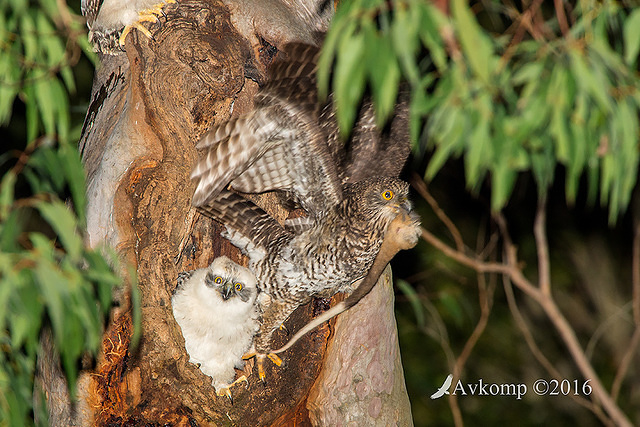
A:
(148, 109)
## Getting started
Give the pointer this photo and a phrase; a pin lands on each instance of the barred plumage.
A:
(277, 146)
(290, 142)
(326, 258)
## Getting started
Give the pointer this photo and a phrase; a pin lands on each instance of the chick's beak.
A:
(227, 289)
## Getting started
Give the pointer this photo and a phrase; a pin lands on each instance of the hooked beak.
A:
(404, 206)
(227, 289)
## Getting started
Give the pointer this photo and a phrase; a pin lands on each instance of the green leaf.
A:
(136, 300)
(631, 37)
(51, 43)
(475, 43)
(75, 177)
(528, 72)
(29, 39)
(404, 36)
(414, 300)
(51, 283)
(430, 24)
(9, 85)
(7, 187)
(478, 154)
(349, 80)
(452, 306)
(64, 224)
(31, 113)
(589, 81)
(67, 78)
(47, 105)
(385, 76)
(328, 53)
(502, 181)
(63, 121)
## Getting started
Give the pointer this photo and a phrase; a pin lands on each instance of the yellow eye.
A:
(217, 280)
(387, 195)
(238, 286)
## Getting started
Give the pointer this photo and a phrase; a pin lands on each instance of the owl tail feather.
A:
(402, 233)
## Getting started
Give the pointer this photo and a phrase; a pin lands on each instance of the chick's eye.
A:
(238, 286)
(387, 195)
(217, 280)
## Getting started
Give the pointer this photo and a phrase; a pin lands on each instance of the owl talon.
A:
(148, 15)
(260, 362)
(225, 390)
(275, 359)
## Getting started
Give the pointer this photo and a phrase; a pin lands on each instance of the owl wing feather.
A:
(233, 147)
(243, 217)
(278, 146)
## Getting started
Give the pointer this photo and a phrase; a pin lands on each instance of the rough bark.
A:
(149, 107)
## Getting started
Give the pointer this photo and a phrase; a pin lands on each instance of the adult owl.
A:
(290, 142)
(217, 312)
(327, 257)
(110, 21)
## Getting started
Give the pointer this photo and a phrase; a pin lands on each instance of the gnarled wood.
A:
(149, 107)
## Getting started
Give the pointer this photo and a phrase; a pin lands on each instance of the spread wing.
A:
(247, 226)
(280, 145)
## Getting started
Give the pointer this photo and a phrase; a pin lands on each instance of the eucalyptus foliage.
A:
(37, 39)
(507, 102)
(47, 274)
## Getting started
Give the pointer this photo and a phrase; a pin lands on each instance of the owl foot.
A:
(147, 15)
(225, 389)
(260, 362)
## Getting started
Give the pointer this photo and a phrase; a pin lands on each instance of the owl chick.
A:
(328, 257)
(216, 310)
(110, 21)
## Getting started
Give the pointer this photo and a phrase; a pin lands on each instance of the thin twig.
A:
(571, 341)
(421, 187)
(636, 275)
(545, 300)
(542, 247)
(564, 329)
(480, 266)
(627, 358)
(524, 24)
(485, 309)
(524, 328)
(625, 363)
(538, 354)
(562, 17)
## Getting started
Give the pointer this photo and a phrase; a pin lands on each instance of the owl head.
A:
(230, 280)
(379, 199)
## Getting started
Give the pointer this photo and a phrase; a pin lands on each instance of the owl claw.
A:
(225, 390)
(260, 362)
(275, 359)
(148, 15)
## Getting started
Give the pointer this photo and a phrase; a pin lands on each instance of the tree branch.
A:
(635, 338)
(562, 17)
(542, 295)
(537, 353)
(542, 247)
(421, 188)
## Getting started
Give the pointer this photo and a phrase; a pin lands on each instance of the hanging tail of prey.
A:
(403, 233)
